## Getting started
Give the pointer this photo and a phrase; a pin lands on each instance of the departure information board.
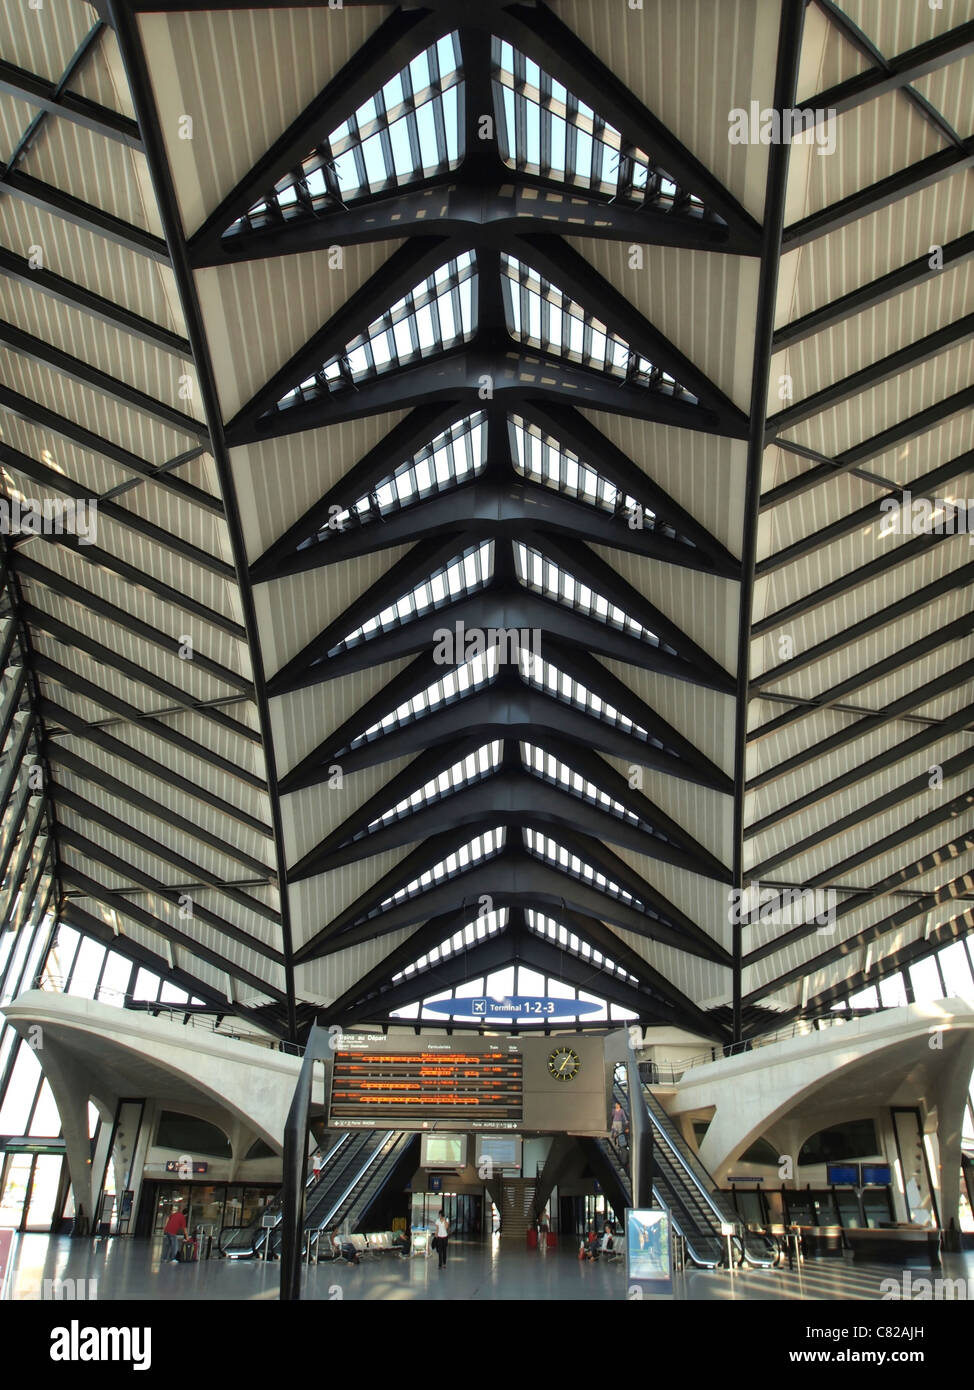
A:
(370, 1087)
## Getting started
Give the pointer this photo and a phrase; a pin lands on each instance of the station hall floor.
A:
(476, 1271)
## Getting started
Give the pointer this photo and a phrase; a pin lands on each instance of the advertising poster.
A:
(649, 1249)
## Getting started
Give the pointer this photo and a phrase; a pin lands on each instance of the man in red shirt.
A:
(173, 1232)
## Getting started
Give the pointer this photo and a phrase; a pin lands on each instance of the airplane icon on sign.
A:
(480, 1006)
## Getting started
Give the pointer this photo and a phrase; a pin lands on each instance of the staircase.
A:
(517, 1207)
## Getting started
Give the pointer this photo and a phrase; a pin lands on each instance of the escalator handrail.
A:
(678, 1213)
(373, 1155)
(674, 1151)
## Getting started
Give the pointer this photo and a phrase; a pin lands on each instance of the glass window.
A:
(15, 1111)
(854, 1139)
(892, 991)
(925, 979)
(43, 1192)
(85, 975)
(46, 1123)
(957, 971)
(15, 1185)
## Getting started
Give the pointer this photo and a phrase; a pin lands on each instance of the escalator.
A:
(684, 1188)
(354, 1171)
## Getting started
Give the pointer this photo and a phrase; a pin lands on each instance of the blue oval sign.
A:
(514, 1006)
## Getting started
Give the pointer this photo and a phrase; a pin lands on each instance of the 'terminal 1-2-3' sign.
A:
(514, 1006)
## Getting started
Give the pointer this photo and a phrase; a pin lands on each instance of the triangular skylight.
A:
(543, 317)
(451, 459)
(550, 930)
(473, 768)
(475, 851)
(542, 576)
(435, 315)
(551, 769)
(412, 129)
(542, 674)
(521, 983)
(544, 130)
(545, 848)
(473, 675)
(488, 924)
(541, 458)
(464, 575)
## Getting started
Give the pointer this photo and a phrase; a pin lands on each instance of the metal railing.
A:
(183, 1014)
(672, 1071)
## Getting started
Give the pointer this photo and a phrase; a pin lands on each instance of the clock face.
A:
(564, 1064)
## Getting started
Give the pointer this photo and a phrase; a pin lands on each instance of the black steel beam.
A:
(853, 579)
(18, 269)
(884, 617)
(915, 425)
(122, 794)
(904, 359)
(558, 262)
(540, 34)
(446, 206)
(37, 414)
(80, 110)
(879, 195)
(56, 360)
(92, 888)
(482, 508)
(121, 752)
(864, 516)
(501, 609)
(786, 80)
(882, 762)
(894, 73)
(894, 922)
(92, 853)
(133, 58)
(917, 786)
(515, 800)
(519, 378)
(125, 516)
(38, 194)
(141, 579)
(875, 292)
(913, 699)
(389, 49)
(71, 681)
(102, 656)
(71, 912)
(28, 568)
(895, 661)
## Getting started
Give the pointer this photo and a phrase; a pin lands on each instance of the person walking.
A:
(172, 1234)
(441, 1234)
(618, 1121)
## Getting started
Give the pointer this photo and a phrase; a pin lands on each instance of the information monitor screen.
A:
(444, 1151)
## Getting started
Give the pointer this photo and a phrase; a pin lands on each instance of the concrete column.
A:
(69, 1086)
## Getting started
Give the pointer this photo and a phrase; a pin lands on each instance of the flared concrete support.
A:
(920, 1055)
(70, 1088)
(124, 1052)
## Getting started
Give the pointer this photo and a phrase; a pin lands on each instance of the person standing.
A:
(441, 1235)
(618, 1121)
(173, 1233)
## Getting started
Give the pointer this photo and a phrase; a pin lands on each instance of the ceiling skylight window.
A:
(475, 851)
(542, 674)
(539, 314)
(473, 675)
(545, 130)
(541, 575)
(552, 769)
(541, 459)
(553, 931)
(470, 935)
(436, 315)
(410, 130)
(543, 847)
(466, 574)
(450, 460)
(473, 768)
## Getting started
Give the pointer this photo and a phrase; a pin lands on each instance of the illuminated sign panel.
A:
(415, 1087)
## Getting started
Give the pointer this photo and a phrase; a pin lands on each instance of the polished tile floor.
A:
(476, 1271)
